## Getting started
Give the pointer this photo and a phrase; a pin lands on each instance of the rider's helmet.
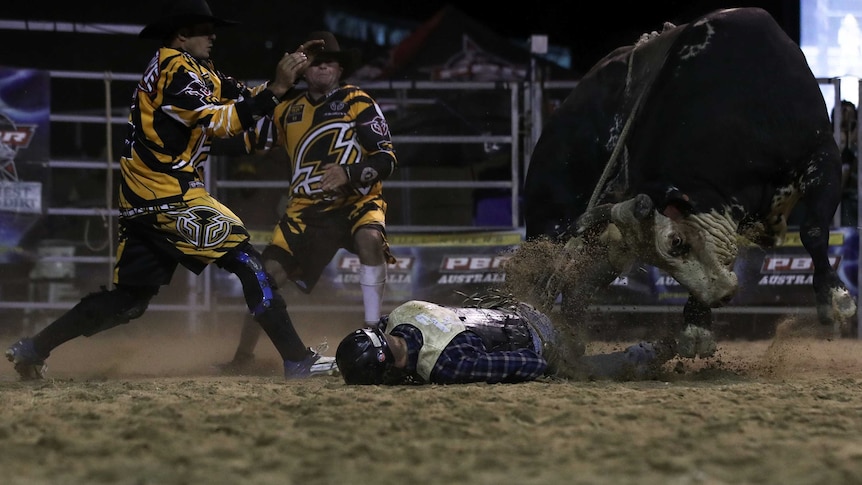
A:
(364, 357)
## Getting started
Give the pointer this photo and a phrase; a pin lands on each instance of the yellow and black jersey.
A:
(345, 127)
(179, 105)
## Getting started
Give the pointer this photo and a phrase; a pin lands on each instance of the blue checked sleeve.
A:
(466, 359)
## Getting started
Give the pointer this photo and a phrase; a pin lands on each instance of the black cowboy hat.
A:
(348, 59)
(182, 13)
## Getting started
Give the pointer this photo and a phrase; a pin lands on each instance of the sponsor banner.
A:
(492, 238)
(436, 267)
(21, 197)
(473, 238)
(24, 146)
(12, 228)
(341, 277)
(25, 116)
(441, 273)
(781, 276)
(444, 268)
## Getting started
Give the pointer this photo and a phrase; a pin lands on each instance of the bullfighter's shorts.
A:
(194, 233)
(311, 231)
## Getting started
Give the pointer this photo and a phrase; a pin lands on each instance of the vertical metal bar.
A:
(206, 306)
(109, 177)
(536, 113)
(837, 113)
(514, 95)
(402, 100)
(527, 108)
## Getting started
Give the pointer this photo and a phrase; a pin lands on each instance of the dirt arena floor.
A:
(144, 405)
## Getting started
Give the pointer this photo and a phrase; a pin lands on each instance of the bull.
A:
(677, 149)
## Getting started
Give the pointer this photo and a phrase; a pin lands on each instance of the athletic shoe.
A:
(29, 365)
(313, 365)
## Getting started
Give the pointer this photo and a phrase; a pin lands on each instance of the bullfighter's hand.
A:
(311, 48)
(334, 178)
(288, 70)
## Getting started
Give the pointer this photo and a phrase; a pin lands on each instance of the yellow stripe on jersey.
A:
(177, 109)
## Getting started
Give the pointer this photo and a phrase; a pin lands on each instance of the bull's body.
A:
(722, 124)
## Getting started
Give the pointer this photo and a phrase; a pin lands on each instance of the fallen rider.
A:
(424, 343)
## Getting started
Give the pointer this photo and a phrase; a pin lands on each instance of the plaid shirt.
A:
(466, 359)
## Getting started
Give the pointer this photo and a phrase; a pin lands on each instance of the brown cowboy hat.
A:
(349, 59)
(182, 13)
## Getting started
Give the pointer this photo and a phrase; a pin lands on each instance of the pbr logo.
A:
(351, 263)
(12, 139)
(468, 263)
(793, 264)
(463, 269)
(790, 270)
(398, 272)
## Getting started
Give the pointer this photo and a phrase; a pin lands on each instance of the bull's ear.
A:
(676, 204)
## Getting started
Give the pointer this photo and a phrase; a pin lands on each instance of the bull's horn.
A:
(597, 215)
(637, 208)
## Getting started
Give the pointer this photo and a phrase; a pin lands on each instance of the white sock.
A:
(372, 280)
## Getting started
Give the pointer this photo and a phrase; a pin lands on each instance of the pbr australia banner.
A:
(444, 267)
(434, 267)
(24, 145)
(781, 276)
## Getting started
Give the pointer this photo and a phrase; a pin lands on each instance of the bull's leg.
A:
(566, 266)
(582, 267)
(529, 270)
(835, 305)
(694, 338)
(696, 313)
(579, 293)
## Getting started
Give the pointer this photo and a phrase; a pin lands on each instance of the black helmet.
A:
(364, 357)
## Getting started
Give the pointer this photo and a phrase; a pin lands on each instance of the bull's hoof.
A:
(695, 341)
(840, 314)
(849, 330)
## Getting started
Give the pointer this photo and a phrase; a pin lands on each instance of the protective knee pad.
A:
(106, 309)
(258, 287)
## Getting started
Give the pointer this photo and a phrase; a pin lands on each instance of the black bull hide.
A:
(719, 128)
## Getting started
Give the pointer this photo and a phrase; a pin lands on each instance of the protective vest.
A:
(499, 329)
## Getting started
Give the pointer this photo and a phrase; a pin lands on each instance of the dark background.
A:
(590, 30)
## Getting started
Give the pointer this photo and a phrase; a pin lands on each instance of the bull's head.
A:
(698, 249)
